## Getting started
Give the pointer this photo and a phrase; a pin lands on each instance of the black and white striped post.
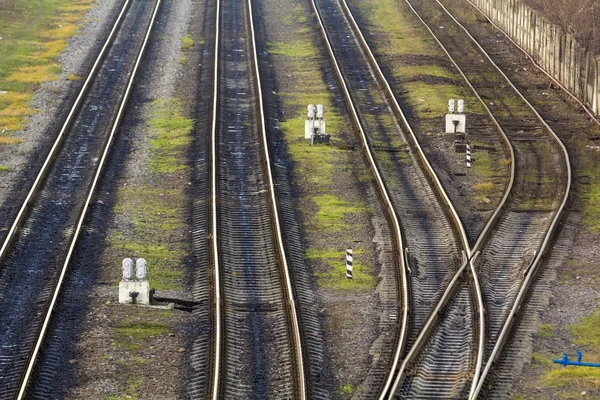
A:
(468, 156)
(349, 263)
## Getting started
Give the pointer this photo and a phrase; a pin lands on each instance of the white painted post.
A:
(349, 263)
(468, 156)
(140, 269)
(127, 269)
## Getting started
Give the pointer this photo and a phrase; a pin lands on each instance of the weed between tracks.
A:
(327, 210)
(155, 209)
(572, 380)
(426, 81)
(34, 33)
(150, 220)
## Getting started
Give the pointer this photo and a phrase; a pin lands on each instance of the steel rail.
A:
(537, 65)
(480, 378)
(49, 161)
(483, 237)
(214, 202)
(91, 192)
(301, 384)
(526, 284)
(275, 210)
(380, 185)
(446, 297)
(426, 165)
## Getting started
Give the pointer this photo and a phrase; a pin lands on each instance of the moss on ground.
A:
(34, 33)
(138, 330)
(155, 210)
(332, 210)
(326, 209)
(426, 81)
(169, 131)
(546, 330)
(590, 198)
(187, 42)
(568, 382)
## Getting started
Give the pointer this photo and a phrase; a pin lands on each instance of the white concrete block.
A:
(311, 125)
(142, 288)
(461, 121)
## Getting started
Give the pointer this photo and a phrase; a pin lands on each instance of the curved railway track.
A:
(435, 262)
(257, 345)
(37, 250)
(525, 222)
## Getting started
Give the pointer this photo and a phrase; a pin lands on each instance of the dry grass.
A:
(34, 33)
(36, 75)
(10, 140)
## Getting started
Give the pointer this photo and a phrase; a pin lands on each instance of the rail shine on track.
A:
(393, 105)
(516, 221)
(63, 190)
(257, 344)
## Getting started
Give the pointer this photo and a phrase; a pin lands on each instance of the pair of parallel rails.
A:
(41, 241)
(425, 370)
(395, 378)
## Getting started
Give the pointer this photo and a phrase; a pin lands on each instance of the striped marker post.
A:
(349, 263)
(468, 156)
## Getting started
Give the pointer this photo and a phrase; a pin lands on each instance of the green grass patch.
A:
(332, 211)
(329, 253)
(170, 132)
(34, 33)
(154, 210)
(132, 334)
(318, 167)
(187, 42)
(347, 388)
(590, 198)
(8, 140)
(405, 34)
(411, 70)
(546, 330)
(335, 278)
(587, 332)
(430, 100)
(572, 380)
(298, 48)
(154, 214)
(542, 359)
(572, 377)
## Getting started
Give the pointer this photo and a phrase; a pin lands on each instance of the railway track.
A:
(36, 252)
(525, 223)
(257, 348)
(435, 243)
